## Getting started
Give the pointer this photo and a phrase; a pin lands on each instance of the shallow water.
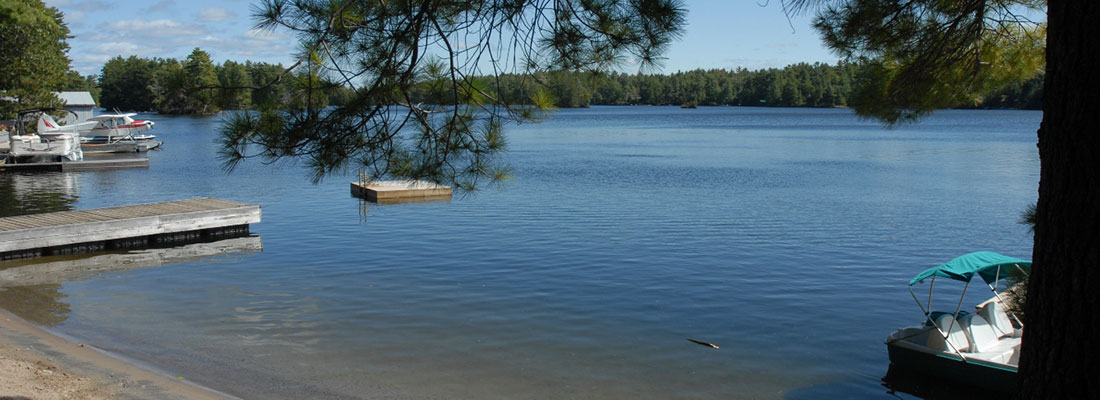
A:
(785, 236)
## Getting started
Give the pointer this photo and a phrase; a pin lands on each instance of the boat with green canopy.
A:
(980, 348)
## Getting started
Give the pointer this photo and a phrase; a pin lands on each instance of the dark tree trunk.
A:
(1062, 339)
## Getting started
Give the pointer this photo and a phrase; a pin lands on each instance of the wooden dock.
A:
(86, 165)
(396, 191)
(126, 227)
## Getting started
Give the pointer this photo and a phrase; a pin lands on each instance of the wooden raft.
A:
(126, 227)
(380, 191)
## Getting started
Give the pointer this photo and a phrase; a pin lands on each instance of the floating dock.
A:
(127, 227)
(86, 165)
(399, 191)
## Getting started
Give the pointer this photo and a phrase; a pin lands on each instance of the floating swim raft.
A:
(382, 191)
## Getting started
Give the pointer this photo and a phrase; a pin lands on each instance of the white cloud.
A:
(143, 38)
(92, 6)
(160, 6)
(158, 28)
(215, 14)
(117, 48)
(83, 5)
(91, 59)
(265, 34)
(74, 16)
(254, 45)
(167, 29)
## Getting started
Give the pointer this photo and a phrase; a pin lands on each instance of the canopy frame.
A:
(951, 270)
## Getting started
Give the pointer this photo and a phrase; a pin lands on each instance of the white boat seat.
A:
(994, 313)
(979, 332)
(956, 339)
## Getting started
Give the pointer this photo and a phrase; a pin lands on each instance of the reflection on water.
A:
(900, 380)
(30, 288)
(23, 193)
(365, 205)
(39, 304)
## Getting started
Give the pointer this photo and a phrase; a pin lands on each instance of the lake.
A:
(784, 236)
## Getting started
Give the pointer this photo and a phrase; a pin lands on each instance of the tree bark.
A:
(1062, 338)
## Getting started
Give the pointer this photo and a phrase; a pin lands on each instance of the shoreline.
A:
(38, 364)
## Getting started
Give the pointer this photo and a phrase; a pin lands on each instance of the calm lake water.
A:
(785, 236)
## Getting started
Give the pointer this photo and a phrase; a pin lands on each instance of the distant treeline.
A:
(1027, 95)
(798, 85)
(196, 85)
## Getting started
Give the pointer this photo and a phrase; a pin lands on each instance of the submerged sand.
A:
(35, 364)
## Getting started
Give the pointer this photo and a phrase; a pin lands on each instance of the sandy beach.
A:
(35, 364)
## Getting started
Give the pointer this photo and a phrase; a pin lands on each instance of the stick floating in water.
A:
(703, 343)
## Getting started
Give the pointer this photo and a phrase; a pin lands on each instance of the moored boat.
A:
(50, 143)
(980, 348)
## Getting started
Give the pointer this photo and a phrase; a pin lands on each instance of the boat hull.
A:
(951, 367)
(125, 146)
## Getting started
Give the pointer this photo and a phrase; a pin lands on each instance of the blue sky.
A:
(720, 34)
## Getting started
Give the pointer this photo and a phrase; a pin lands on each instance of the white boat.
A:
(52, 142)
(111, 128)
(980, 349)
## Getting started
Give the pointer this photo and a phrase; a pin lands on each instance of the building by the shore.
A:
(80, 103)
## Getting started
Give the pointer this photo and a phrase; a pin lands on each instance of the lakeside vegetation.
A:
(196, 85)
(796, 85)
(33, 61)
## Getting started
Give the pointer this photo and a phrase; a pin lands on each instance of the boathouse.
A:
(80, 103)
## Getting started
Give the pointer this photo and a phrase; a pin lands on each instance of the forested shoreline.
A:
(196, 85)
(797, 85)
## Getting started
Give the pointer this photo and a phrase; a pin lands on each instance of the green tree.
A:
(384, 50)
(570, 90)
(187, 87)
(929, 53)
(234, 83)
(923, 55)
(308, 88)
(200, 83)
(169, 86)
(33, 60)
(609, 91)
(125, 83)
(271, 90)
(651, 90)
